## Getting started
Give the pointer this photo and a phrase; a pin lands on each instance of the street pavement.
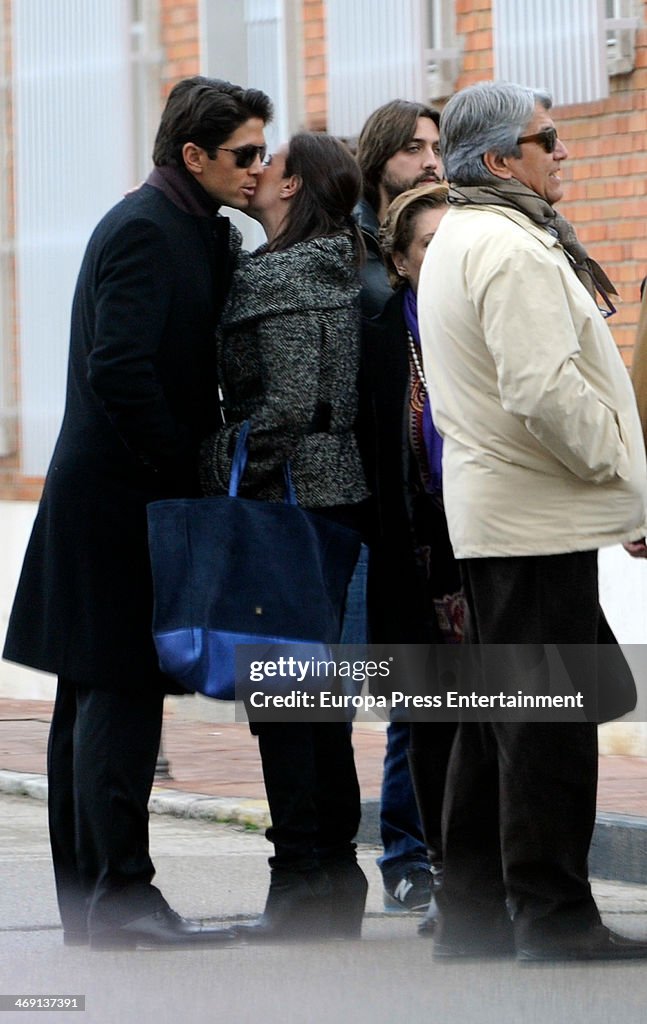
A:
(215, 773)
(215, 870)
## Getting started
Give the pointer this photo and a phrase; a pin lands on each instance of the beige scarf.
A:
(519, 197)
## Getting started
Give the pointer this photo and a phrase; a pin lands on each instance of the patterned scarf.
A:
(519, 197)
(433, 442)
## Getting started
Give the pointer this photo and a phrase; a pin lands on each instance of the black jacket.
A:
(288, 353)
(141, 394)
(400, 608)
(376, 288)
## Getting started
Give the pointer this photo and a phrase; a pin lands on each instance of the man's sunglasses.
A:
(246, 155)
(608, 309)
(546, 138)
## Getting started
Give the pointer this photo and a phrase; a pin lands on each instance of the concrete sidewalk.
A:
(215, 774)
(220, 872)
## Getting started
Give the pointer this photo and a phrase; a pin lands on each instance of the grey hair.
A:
(485, 116)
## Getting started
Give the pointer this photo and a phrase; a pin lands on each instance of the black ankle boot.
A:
(297, 907)
(348, 899)
(349, 889)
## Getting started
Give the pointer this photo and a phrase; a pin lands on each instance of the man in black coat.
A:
(141, 395)
(397, 149)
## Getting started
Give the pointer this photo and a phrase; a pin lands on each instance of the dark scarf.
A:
(519, 197)
(182, 189)
(432, 440)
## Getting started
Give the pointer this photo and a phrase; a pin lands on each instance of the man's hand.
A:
(636, 548)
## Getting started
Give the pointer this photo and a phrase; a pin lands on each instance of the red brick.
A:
(312, 30)
(316, 66)
(313, 12)
(605, 176)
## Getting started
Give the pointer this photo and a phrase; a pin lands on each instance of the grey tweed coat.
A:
(288, 355)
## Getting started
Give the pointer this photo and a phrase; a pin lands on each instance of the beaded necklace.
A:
(416, 361)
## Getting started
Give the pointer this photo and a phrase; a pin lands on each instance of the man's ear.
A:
(290, 186)
(193, 157)
(497, 165)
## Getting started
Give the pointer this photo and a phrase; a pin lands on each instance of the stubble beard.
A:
(394, 188)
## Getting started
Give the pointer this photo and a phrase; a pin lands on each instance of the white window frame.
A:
(621, 23)
(8, 412)
(375, 52)
(147, 57)
(257, 44)
(551, 45)
(444, 50)
(55, 214)
(7, 341)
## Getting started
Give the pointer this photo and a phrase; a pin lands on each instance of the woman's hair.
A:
(398, 228)
(205, 111)
(388, 129)
(330, 186)
(482, 117)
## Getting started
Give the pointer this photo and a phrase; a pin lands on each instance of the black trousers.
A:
(520, 798)
(101, 762)
(430, 747)
(310, 776)
(312, 791)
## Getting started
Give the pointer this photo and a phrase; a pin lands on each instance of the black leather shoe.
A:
(75, 937)
(164, 928)
(474, 940)
(599, 943)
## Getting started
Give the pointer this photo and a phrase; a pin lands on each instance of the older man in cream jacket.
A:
(543, 463)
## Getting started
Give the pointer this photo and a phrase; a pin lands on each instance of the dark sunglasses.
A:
(546, 138)
(608, 309)
(246, 155)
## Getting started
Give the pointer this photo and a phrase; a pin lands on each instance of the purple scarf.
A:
(432, 439)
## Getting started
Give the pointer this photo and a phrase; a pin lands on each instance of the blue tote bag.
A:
(229, 570)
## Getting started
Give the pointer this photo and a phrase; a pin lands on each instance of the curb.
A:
(225, 810)
(23, 784)
(618, 848)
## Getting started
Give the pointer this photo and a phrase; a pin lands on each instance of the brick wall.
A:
(474, 27)
(179, 40)
(606, 193)
(314, 61)
(605, 179)
(606, 173)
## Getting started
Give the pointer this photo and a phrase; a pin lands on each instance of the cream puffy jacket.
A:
(543, 445)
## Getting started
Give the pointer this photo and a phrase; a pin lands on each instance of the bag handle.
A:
(239, 463)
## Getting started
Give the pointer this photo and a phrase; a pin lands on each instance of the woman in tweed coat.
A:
(288, 353)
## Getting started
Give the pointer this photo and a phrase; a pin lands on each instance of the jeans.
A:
(400, 828)
(354, 628)
(399, 819)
